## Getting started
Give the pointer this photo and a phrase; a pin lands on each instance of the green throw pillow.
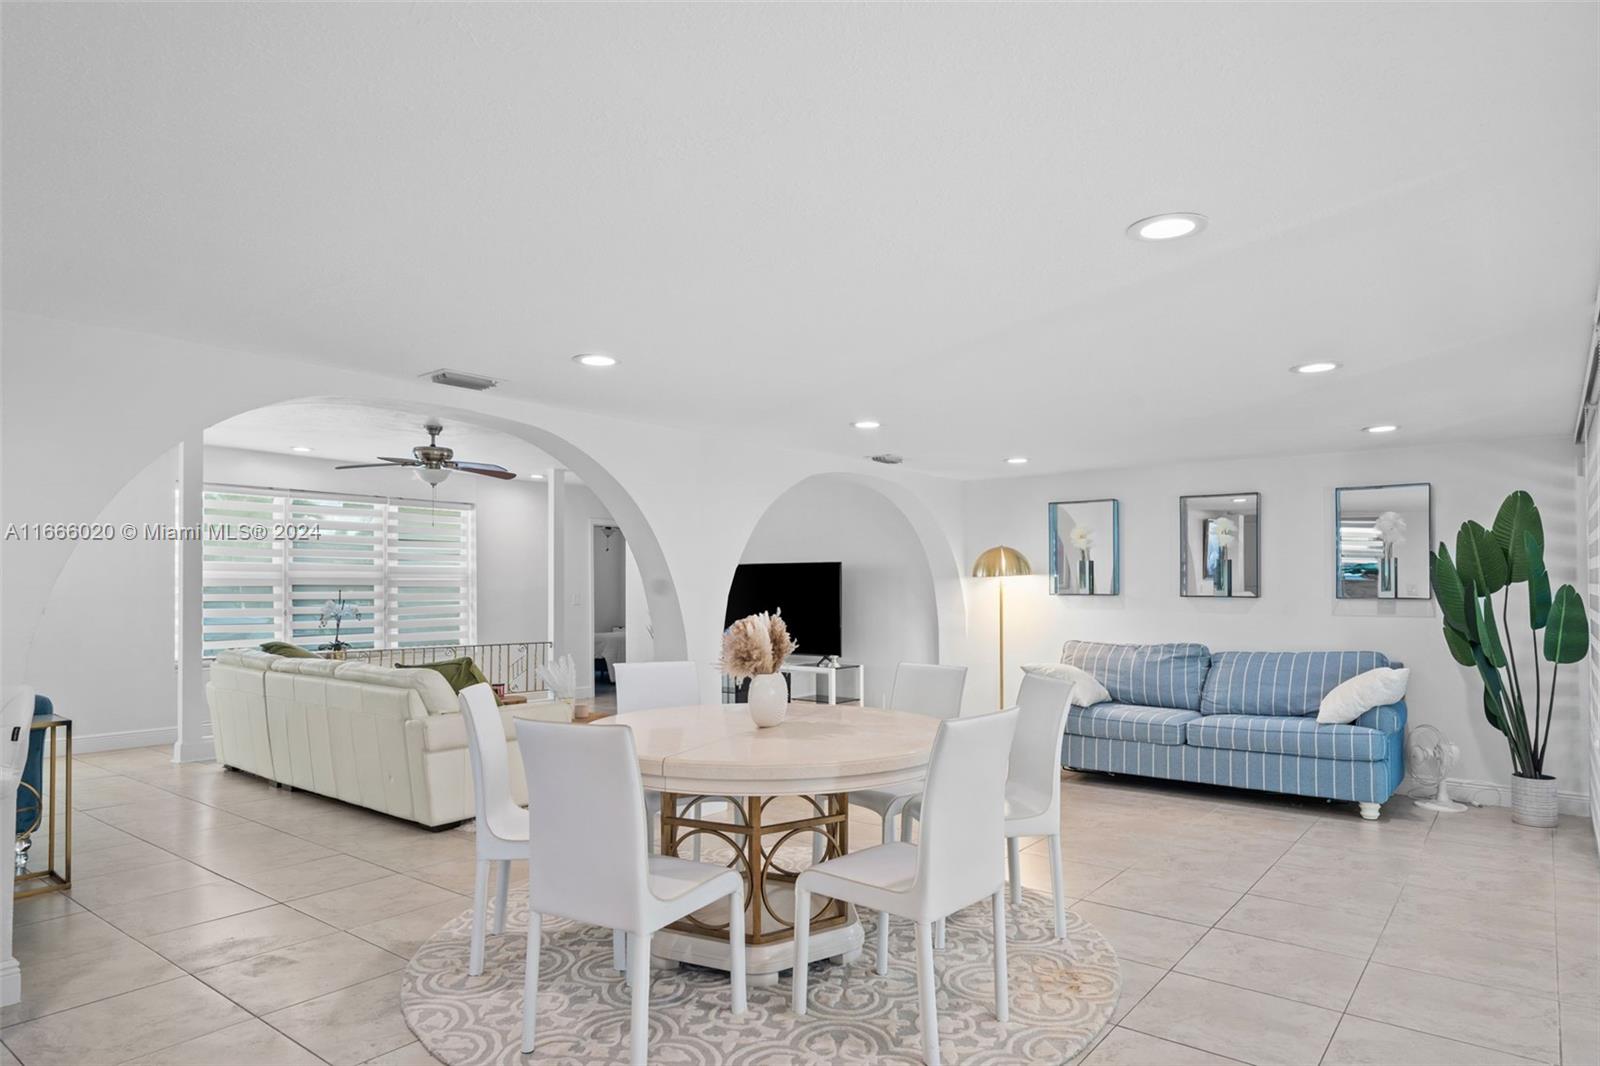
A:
(457, 673)
(287, 650)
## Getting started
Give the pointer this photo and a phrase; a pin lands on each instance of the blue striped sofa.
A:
(1247, 719)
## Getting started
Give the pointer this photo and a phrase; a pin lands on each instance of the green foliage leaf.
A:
(1447, 586)
(1566, 637)
(1491, 676)
(1489, 635)
(1538, 583)
(1480, 559)
(1491, 711)
(1460, 650)
(1516, 520)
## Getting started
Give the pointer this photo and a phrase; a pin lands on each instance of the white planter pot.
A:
(1533, 801)
(769, 700)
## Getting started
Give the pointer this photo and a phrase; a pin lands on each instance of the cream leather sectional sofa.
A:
(389, 739)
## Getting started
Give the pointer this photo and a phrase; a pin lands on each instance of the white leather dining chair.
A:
(649, 687)
(502, 830)
(588, 861)
(1033, 783)
(925, 689)
(954, 864)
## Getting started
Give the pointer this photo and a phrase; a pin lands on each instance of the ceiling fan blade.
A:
(486, 469)
(402, 462)
(386, 462)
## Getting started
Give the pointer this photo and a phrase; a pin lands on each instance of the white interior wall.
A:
(106, 646)
(583, 510)
(886, 596)
(640, 641)
(510, 518)
(1297, 609)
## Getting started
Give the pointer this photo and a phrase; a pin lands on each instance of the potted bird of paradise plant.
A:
(1489, 561)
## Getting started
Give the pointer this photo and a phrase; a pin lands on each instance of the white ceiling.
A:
(787, 217)
(346, 431)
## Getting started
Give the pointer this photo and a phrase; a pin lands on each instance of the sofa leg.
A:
(1369, 811)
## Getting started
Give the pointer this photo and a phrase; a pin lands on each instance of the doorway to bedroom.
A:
(608, 596)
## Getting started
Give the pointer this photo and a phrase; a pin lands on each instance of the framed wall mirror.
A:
(1085, 548)
(1219, 545)
(1381, 539)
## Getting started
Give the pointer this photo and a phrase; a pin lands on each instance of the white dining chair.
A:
(954, 864)
(502, 830)
(652, 686)
(588, 861)
(924, 689)
(1033, 784)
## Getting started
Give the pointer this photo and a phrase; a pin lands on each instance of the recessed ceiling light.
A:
(1314, 368)
(301, 448)
(1241, 499)
(594, 359)
(1384, 428)
(1167, 227)
(535, 477)
(1017, 460)
(865, 423)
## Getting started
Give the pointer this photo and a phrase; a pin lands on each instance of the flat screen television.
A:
(808, 593)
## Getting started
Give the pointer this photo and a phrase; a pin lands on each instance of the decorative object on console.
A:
(1002, 562)
(1377, 552)
(1219, 545)
(1491, 560)
(1349, 700)
(1432, 758)
(338, 612)
(1081, 530)
(560, 677)
(754, 647)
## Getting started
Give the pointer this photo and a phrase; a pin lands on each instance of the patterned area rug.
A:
(1062, 995)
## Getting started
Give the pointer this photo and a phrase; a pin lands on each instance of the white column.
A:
(556, 548)
(194, 719)
(10, 969)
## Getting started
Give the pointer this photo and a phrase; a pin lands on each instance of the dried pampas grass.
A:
(755, 645)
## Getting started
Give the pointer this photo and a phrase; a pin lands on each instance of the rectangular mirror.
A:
(1382, 534)
(1219, 545)
(1085, 548)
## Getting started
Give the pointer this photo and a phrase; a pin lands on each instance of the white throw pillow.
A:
(1357, 696)
(1086, 691)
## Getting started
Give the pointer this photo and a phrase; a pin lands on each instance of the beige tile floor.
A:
(217, 919)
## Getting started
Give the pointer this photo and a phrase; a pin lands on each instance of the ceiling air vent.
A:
(888, 459)
(457, 380)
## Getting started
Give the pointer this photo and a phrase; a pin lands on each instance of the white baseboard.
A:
(1494, 794)
(82, 744)
(10, 982)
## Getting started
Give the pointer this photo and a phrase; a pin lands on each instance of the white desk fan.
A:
(1432, 758)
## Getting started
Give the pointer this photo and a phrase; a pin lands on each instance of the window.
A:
(409, 567)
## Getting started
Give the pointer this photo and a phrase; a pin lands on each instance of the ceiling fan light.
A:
(432, 475)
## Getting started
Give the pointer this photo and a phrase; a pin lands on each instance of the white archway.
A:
(937, 567)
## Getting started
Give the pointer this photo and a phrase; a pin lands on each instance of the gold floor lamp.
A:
(1002, 562)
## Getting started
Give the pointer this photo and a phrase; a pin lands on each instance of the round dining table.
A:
(788, 788)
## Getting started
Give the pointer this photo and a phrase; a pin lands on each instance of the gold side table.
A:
(49, 879)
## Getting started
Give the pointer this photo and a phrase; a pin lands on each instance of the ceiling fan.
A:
(434, 463)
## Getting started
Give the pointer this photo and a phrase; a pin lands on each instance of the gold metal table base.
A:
(756, 842)
(38, 882)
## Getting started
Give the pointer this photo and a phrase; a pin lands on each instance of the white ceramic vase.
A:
(769, 700)
(1533, 801)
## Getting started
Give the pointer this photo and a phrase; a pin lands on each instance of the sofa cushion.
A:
(1149, 675)
(248, 659)
(1126, 721)
(1280, 683)
(1286, 736)
(430, 688)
